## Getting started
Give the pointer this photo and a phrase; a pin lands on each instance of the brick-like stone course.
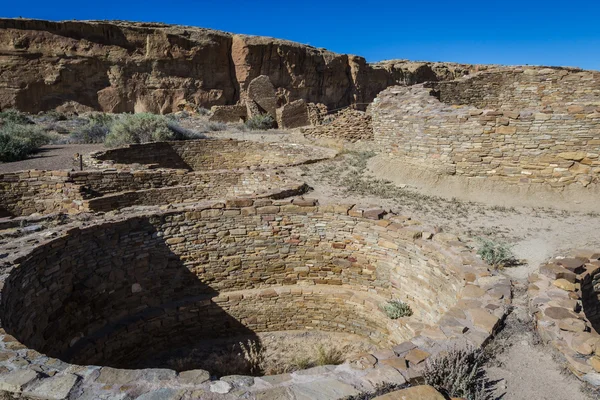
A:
(539, 126)
(348, 124)
(564, 297)
(132, 284)
(207, 154)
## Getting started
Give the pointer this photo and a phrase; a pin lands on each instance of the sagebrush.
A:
(138, 128)
(260, 122)
(395, 309)
(498, 255)
(17, 141)
(15, 117)
(459, 373)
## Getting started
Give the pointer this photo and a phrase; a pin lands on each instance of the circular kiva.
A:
(170, 173)
(565, 299)
(82, 310)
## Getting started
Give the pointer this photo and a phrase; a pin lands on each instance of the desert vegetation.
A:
(497, 255)
(395, 309)
(19, 137)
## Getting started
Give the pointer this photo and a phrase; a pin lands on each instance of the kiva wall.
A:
(252, 266)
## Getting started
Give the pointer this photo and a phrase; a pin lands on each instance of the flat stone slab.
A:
(54, 388)
(14, 381)
(322, 390)
(423, 392)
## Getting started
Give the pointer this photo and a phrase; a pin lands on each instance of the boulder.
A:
(293, 115)
(235, 113)
(262, 92)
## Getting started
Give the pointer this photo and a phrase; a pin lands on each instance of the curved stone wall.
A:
(223, 172)
(116, 291)
(208, 154)
(535, 128)
(565, 300)
(559, 90)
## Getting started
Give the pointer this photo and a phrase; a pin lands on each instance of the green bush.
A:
(18, 141)
(139, 128)
(459, 373)
(395, 309)
(14, 116)
(498, 255)
(95, 131)
(260, 122)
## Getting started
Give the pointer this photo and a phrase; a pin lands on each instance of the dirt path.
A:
(51, 157)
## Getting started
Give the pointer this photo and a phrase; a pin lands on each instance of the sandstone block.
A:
(231, 114)
(423, 392)
(293, 115)
(262, 92)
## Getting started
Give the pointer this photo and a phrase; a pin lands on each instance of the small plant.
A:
(459, 373)
(498, 255)
(254, 355)
(139, 128)
(330, 356)
(14, 116)
(260, 122)
(302, 362)
(18, 141)
(395, 309)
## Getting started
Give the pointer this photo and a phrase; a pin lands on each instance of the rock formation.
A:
(133, 67)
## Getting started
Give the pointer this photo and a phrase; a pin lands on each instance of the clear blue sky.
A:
(506, 32)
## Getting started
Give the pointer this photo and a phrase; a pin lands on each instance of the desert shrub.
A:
(329, 356)
(395, 309)
(18, 141)
(95, 131)
(254, 356)
(15, 117)
(459, 373)
(212, 126)
(139, 128)
(100, 118)
(498, 255)
(260, 122)
(90, 133)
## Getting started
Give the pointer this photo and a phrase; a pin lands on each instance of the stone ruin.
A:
(113, 292)
(175, 243)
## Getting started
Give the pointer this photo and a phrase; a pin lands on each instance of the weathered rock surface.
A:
(125, 67)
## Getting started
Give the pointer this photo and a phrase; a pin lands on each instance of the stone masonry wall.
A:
(69, 294)
(210, 154)
(348, 124)
(28, 192)
(557, 90)
(45, 192)
(557, 146)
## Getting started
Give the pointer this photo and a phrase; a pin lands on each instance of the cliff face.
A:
(126, 67)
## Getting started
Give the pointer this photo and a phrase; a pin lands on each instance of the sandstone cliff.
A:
(124, 67)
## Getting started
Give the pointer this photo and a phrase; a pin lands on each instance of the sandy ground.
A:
(51, 157)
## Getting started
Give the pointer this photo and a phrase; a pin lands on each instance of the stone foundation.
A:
(111, 292)
(565, 299)
(159, 174)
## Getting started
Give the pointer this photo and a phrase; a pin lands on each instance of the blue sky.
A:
(503, 32)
